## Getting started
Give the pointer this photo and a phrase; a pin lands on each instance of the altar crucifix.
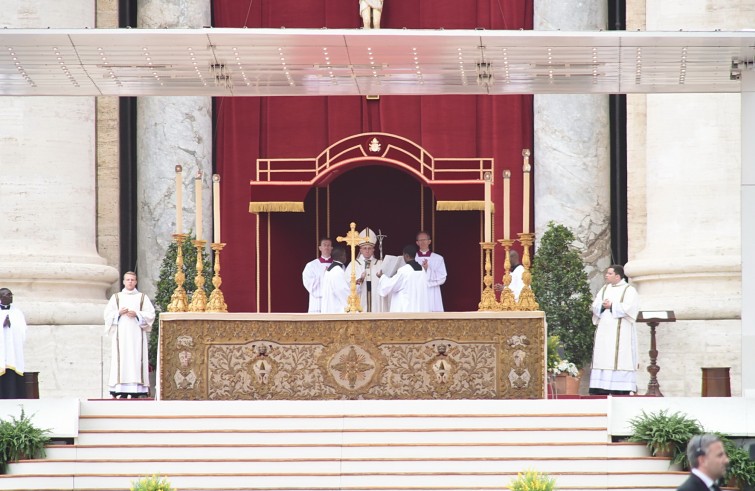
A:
(352, 240)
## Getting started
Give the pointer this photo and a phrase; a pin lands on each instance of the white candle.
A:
(198, 197)
(506, 204)
(526, 200)
(487, 208)
(216, 208)
(179, 199)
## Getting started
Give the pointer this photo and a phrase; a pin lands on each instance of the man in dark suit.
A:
(708, 461)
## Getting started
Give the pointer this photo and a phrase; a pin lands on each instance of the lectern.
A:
(652, 318)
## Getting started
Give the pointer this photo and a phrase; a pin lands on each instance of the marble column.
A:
(48, 253)
(171, 131)
(684, 180)
(572, 145)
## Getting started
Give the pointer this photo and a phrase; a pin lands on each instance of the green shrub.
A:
(166, 284)
(741, 470)
(151, 483)
(20, 439)
(665, 434)
(531, 480)
(559, 282)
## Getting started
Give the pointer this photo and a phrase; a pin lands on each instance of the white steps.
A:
(343, 445)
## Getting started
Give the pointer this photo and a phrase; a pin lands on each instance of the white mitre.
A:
(372, 238)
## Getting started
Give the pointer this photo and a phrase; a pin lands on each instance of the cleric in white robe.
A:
(335, 286)
(435, 266)
(367, 271)
(408, 287)
(614, 361)
(313, 273)
(128, 319)
(13, 322)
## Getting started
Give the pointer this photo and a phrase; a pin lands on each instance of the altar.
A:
(453, 355)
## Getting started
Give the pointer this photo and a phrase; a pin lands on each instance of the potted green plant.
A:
(151, 483)
(666, 435)
(740, 472)
(20, 439)
(532, 480)
(166, 284)
(560, 284)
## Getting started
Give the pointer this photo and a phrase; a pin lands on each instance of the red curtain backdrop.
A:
(262, 263)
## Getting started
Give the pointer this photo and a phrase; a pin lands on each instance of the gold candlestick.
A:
(217, 301)
(508, 302)
(527, 296)
(178, 301)
(487, 299)
(199, 297)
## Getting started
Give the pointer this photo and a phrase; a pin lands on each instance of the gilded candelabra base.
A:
(527, 300)
(487, 298)
(507, 302)
(179, 302)
(217, 301)
(199, 297)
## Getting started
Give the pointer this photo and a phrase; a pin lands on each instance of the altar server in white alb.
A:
(335, 285)
(12, 385)
(367, 268)
(408, 287)
(128, 319)
(614, 360)
(435, 267)
(313, 273)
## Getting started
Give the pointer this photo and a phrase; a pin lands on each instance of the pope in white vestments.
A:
(408, 287)
(128, 318)
(368, 268)
(614, 363)
(435, 266)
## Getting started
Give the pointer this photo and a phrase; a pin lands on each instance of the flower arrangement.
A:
(567, 367)
(531, 480)
(151, 483)
(556, 364)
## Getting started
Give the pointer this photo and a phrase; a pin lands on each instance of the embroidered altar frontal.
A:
(455, 355)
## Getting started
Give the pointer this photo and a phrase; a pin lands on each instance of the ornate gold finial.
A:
(199, 297)
(487, 299)
(179, 301)
(527, 296)
(508, 303)
(353, 239)
(217, 300)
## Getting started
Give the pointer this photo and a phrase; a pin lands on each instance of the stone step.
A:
(391, 450)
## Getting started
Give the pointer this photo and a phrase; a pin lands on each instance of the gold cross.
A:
(352, 240)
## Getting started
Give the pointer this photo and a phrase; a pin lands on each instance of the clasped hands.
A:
(607, 304)
(127, 312)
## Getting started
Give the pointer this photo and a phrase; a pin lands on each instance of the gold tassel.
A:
(476, 205)
(276, 206)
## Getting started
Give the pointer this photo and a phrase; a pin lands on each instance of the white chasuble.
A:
(614, 364)
(369, 287)
(129, 366)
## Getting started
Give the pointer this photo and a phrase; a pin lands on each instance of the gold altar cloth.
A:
(453, 355)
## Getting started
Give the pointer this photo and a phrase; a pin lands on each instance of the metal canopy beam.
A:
(294, 62)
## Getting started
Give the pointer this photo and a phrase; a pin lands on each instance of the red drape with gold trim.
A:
(262, 263)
